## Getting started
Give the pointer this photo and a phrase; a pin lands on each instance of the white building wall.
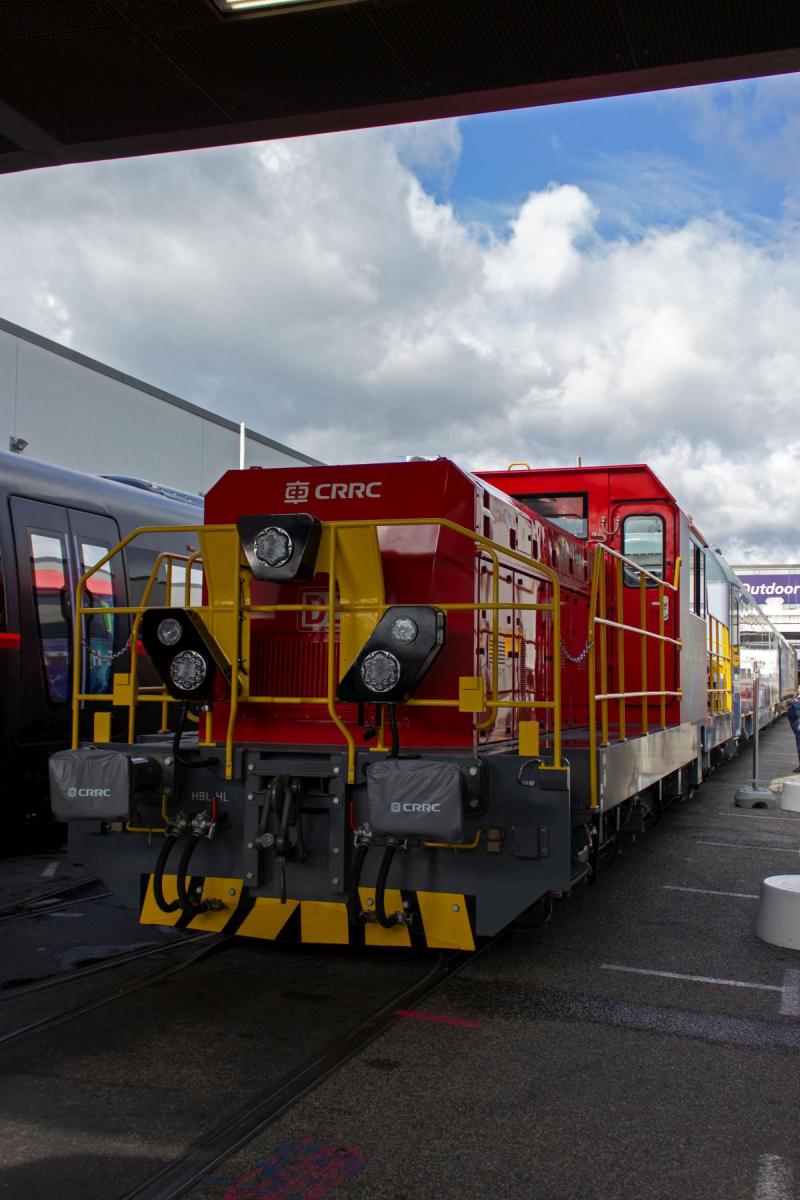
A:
(78, 413)
(785, 616)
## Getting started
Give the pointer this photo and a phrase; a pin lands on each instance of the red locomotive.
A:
(413, 701)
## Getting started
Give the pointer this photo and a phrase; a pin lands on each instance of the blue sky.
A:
(732, 146)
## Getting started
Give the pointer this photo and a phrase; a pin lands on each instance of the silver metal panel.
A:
(693, 634)
(629, 767)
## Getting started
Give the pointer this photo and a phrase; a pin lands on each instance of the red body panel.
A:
(612, 494)
(421, 565)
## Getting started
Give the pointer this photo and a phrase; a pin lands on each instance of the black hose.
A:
(395, 750)
(186, 901)
(353, 901)
(380, 889)
(158, 876)
(176, 745)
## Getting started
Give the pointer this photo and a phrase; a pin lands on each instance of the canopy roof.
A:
(91, 79)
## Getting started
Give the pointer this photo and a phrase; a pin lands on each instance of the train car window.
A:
(643, 543)
(568, 510)
(697, 580)
(99, 629)
(49, 575)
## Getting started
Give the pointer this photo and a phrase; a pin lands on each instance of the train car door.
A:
(54, 545)
(647, 536)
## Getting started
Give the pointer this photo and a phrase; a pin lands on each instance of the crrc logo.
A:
(83, 792)
(298, 492)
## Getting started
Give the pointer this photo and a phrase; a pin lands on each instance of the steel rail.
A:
(40, 897)
(45, 1024)
(97, 966)
(267, 1106)
(46, 909)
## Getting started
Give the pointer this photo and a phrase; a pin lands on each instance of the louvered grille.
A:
(289, 665)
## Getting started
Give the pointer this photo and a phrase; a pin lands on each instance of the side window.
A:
(697, 580)
(48, 572)
(99, 628)
(643, 543)
(567, 510)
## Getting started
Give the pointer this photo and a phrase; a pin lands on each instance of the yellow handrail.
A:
(599, 623)
(242, 609)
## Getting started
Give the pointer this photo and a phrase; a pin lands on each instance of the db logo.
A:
(315, 620)
(395, 806)
(296, 493)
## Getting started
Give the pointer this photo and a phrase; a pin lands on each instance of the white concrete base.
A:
(778, 919)
(790, 796)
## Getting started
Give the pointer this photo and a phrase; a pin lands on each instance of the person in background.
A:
(793, 713)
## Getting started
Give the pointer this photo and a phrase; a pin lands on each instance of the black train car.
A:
(54, 523)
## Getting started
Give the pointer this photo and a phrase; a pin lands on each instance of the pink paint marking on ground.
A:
(414, 1014)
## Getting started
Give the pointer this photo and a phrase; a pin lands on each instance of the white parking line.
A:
(751, 846)
(737, 983)
(790, 1003)
(50, 870)
(673, 887)
(774, 1180)
(763, 815)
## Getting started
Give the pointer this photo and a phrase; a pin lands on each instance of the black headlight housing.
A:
(396, 657)
(186, 656)
(281, 547)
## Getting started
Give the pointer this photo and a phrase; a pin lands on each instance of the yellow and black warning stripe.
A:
(440, 920)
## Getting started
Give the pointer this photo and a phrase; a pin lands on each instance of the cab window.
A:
(48, 572)
(643, 543)
(569, 510)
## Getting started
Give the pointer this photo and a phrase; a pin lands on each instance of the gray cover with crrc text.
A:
(415, 798)
(89, 784)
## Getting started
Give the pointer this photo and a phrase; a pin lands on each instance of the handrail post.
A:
(592, 679)
(556, 672)
(662, 660)
(332, 681)
(620, 648)
(643, 619)
(495, 638)
(603, 655)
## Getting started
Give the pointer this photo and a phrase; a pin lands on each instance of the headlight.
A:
(188, 670)
(380, 671)
(274, 546)
(189, 659)
(405, 630)
(396, 656)
(281, 547)
(169, 631)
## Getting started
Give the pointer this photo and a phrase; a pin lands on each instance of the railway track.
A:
(98, 967)
(211, 943)
(49, 900)
(262, 1109)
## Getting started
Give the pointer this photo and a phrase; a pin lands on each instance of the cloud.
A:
(318, 290)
